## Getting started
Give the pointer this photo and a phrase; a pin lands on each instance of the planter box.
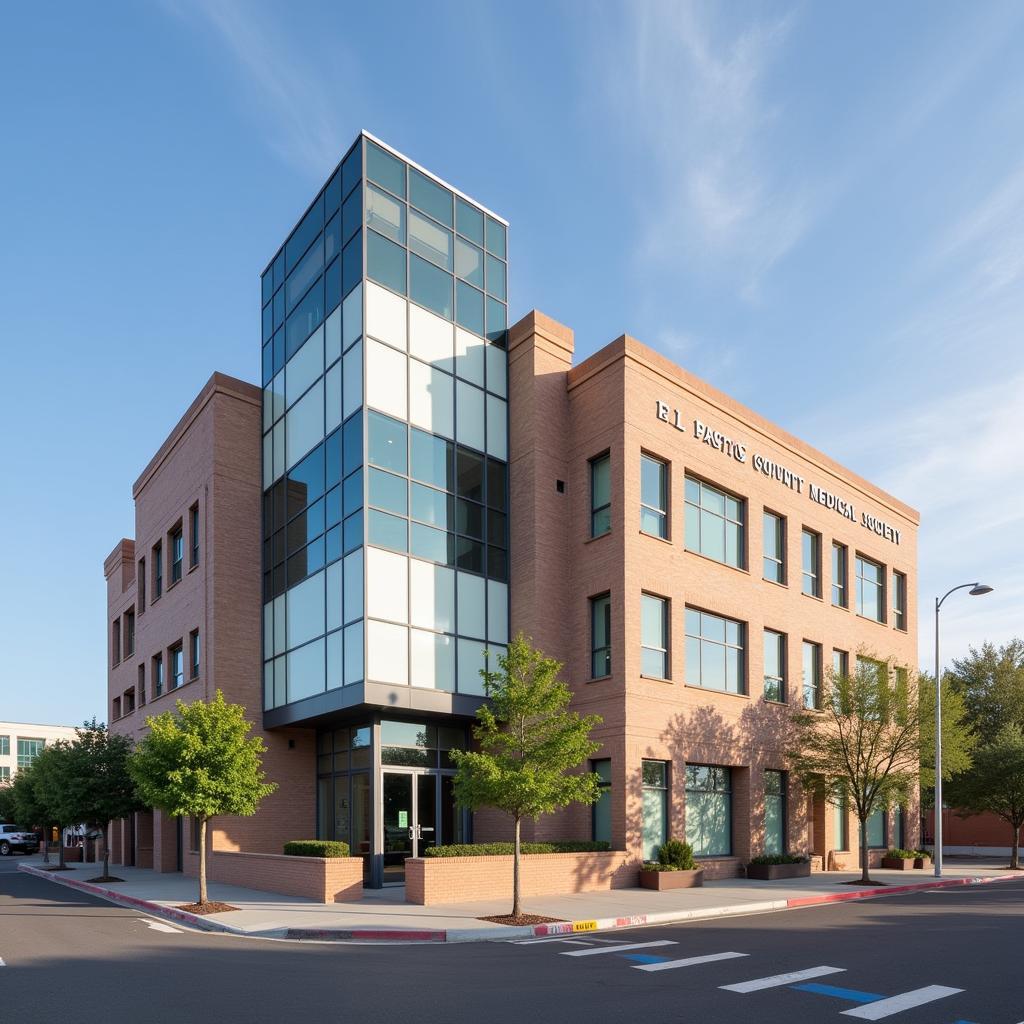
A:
(771, 872)
(898, 863)
(922, 862)
(671, 879)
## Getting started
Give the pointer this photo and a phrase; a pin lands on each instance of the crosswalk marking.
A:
(774, 980)
(570, 942)
(690, 961)
(904, 1001)
(618, 949)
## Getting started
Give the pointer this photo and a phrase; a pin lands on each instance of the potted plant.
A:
(899, 860)
(675, 868)
(922, 859)
(770, 866)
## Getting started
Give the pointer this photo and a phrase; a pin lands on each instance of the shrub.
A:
(898, 854)
(653, 865)
(316, 848)
(505, 849)
(779, 858)
(922, 853)
(676, 855)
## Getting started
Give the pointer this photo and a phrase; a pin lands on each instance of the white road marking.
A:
(534, 942)
(781, 979)
(2, 964)
(621, 948)
(690, 961)
(904, 1001)
(159, 926)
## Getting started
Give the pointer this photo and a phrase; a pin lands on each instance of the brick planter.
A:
(922, 862)
(771, 872)
(898, 863)
(662, 880)
(324, 879)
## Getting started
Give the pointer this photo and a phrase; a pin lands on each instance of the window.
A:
(193, 534)
(5, 773)
(876, 828)
(193, 655)
(899, 600)
(129, 701)
(29, 750)
(655, 806)
(177, 666)
(840, 663)
(177, 546)
(774, 548)
(5, 746)
(142, 685)
(774, 812)
(871, 667)
(774, 666)
(129, 632)
(812, 674)
(811, 545)
(840, 597)
(870, 589)
(115, 642)
(840, 822)
(709, 810)
(714, 523)
(602, 814)
(115, 708)
(714, 652)
(653, 496)
(600, 495)
(898, 827)
(157, 673)
(158, 570)
(653, 636)
(140, 580)
(600, 636)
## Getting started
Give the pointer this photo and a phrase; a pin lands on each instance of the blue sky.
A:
(817, 207)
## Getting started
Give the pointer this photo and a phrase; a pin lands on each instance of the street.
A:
(944, 957)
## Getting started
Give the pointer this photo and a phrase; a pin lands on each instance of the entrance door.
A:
(410, 805)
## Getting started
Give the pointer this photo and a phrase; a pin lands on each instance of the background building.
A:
(22, 742)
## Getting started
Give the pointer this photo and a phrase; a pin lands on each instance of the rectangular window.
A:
(774, 812)
(812, 674)
(899, 600)
(870, 589)
(840, 663)
(129, 632)
(129, 701)
(140, 585)
(115, 642)
(840, 596)
(602, 814)
(811, 545)
(655, 806)
(653, 496)
(600, 495)
(177, 663)
(600, 636)
(176, 542)
(876, 829)
(5, 746)
(870, 667)
(29, 750)
(653, 636)
(774, 666)
(158, 570)
(709, 810)
(157, 673)
(840, 822)
(774, 548)
(5, 773)
(715, 652)
(193, 654)
(714, 523)
(193, 533)
(142, 685)
(115, 709)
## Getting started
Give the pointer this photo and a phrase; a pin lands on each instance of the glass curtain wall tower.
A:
(385, 493)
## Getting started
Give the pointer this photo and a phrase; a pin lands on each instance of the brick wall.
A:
(431, 880)
(323, 879)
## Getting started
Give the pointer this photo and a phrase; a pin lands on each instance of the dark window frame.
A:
(604, 651)
(596, 510)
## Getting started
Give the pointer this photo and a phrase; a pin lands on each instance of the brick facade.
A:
(323, 879)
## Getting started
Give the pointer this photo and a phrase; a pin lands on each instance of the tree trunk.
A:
(202, 860)
(60, 846)
(864, 876)
(1015, 849)
(516, 905)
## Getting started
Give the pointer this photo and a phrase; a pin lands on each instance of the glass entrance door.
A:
(397, 795)
(411, 820)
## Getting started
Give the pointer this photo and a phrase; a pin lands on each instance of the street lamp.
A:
(977, 590)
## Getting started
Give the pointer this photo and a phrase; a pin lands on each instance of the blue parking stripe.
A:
(645, 958)
(850, 994)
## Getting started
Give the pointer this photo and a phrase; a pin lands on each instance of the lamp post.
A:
(977, 590)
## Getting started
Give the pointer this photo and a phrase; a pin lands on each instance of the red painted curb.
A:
(366, 935)
(895, 890)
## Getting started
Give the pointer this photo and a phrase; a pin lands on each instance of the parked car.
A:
(12, 839)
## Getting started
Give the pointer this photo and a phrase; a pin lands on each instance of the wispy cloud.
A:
(294, 99)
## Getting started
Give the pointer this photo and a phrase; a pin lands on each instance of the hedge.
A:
(506, 849)
(315, 848)
(778, 858)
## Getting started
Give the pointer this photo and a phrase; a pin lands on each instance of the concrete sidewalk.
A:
(384, 916)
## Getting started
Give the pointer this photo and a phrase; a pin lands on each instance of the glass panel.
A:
(496, 320)
(430, 241)
(496, 237)
(469, 263)
(387, 585)
(385, 169)
(432, 544)
(655, 819)
(387, 443)
(433, 661)
(305, 424)
(469, 308)
(388, 531)
(432, 460)
(602, 815)
(309, 227)
(385, 262)
(385, 214)
(388, 492)
(304, 319)
(430, 287)
(469, 220)
(396, 799)
(432, 597)
(306, 669)
(430, 197)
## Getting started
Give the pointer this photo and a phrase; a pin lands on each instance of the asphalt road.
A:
(71, 955)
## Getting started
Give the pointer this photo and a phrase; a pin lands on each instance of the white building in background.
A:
(22, 742)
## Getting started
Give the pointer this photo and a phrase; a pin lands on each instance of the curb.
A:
(506, 933)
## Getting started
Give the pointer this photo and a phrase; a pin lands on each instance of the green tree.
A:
(995, 783)
(958, 738)
(862, 743)
(7, 812)
(530, 745)
(200, 762)
(53, 778)
(103, 789)
(26, 810)
(991, 681)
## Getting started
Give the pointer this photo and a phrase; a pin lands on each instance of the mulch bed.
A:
(859, 881)
(210, 907)
(57, 867)
(521, 919)
(105, 878)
